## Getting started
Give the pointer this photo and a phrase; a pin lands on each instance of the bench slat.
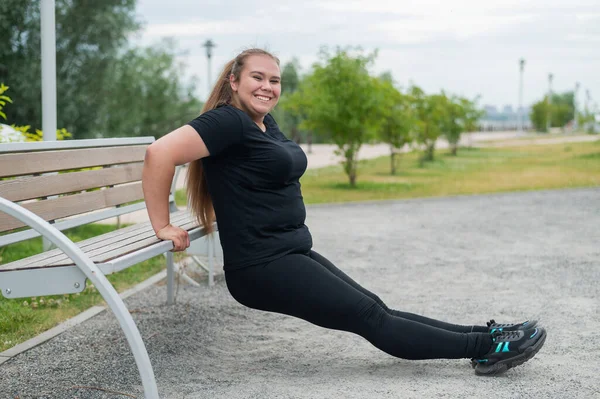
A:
(26, 188)
(70, 144)
(117, 253)
(137, 245)
(52, 161)
(62, 207)
(69, 223)
(55, 255)
(98, 252)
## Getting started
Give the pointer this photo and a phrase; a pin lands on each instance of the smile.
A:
(263, 98)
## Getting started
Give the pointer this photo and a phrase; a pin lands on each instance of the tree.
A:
(396, 118)
(430, 114)
(336, 101)
(288, 117)
(89, 35)
(461, 116)
(20, 133)
(146, 97)
(561, 111)
(104, 87)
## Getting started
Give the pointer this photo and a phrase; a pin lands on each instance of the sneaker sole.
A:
(504, 365)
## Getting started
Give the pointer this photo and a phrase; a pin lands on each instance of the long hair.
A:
(199, 200)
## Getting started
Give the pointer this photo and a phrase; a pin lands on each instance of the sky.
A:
(464, 47)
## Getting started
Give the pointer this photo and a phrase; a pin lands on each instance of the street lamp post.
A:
(209, 45)
(521, 68)
(48, 31)
(575, 124)
(548, 124)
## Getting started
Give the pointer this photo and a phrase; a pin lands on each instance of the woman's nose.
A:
(266, 86)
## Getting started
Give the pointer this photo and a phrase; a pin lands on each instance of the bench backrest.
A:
(71, 183)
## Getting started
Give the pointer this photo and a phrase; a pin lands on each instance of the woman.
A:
(244, 167)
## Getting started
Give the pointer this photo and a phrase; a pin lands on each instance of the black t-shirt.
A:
(253, 180)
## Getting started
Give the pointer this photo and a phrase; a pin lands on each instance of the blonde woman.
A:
(244, 173)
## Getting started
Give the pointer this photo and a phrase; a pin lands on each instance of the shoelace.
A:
(505, 335)
(492, 324)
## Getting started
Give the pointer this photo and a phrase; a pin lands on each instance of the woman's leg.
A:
(410, 316)
(299, 286)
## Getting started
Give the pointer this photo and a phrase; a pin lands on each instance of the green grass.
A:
(473, 171)
(24, 318)
(180, 198)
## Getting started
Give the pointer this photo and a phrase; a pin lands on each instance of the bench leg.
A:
(170, 279)
(108, 292)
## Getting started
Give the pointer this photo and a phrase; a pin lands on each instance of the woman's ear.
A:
(232, 82)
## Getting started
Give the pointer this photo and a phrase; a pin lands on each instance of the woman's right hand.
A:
(180, 237)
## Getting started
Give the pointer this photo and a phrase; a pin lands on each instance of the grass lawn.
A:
(22, 319)
(473, 171)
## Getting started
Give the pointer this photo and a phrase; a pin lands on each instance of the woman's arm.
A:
(179, 147)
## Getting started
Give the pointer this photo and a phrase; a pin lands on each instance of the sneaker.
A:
(510, 349)
(526, 325)
(493, 327)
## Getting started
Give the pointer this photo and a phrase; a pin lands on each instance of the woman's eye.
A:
(257, 77)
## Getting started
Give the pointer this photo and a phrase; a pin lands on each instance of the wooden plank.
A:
(71, 144)
(90, 244)
(116, 245)
(52, 161)
(25, 188)
(69, 223)
(61, 207)
(100, 257)
(105, 257)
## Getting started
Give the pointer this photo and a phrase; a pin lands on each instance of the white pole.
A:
(48, 27)
(549, 120)
(209, 45)
(575, 124)
(520, 110)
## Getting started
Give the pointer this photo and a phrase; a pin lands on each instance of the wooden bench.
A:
(44, 191)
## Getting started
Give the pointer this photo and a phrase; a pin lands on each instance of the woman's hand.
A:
(180, 237)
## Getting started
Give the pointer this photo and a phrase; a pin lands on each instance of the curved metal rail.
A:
(107, 291)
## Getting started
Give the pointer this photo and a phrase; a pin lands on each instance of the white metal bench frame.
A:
(33, 281)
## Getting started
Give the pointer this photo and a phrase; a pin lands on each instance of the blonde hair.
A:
(199, 200)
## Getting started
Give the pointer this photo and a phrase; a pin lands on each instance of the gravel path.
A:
(461, 259)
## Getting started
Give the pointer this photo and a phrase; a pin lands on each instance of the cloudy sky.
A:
(466, 47)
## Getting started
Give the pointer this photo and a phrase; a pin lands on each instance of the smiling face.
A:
(258, 88)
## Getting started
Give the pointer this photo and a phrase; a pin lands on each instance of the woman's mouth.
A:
(263, 98)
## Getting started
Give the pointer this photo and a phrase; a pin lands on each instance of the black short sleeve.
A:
(219, 128)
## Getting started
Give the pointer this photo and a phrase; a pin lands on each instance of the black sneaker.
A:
(510, 349)
(493, 327)
(526, 325)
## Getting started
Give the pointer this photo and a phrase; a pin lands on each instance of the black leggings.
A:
(310, 287)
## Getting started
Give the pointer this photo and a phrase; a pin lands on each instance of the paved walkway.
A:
(462, 259)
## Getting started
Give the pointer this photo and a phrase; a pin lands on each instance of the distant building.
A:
(490, 109)
(507, 119)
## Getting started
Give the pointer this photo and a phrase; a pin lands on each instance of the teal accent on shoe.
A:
(534, 333)
(482, 360)
(493, 329)
(524, 324)
(505, 349)
(499, 347)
